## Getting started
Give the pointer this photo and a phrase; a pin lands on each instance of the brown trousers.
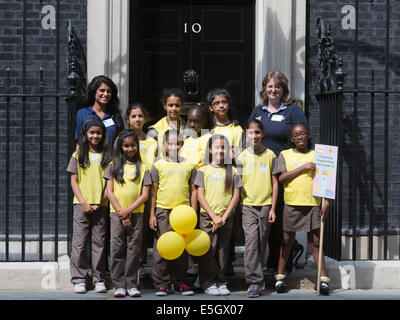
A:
(83, 225)
(213, 264)
(125, 250)
(256, 232)
(165, 272)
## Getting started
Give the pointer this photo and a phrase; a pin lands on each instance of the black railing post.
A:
(330, 99)
(41, 101)
(72, 99)
(7, 189)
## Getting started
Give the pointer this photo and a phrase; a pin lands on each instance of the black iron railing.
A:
(36, 143)
(358, 122)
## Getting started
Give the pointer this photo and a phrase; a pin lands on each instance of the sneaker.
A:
(223, 290)
(253, 291)
(142, 272)
(280, 283)
(162, 292)
(184, 290)
(80, 288)
(192, 270)
(100, 287)
(323, 286)
(134, 293)
(212, 290)
(120, 293)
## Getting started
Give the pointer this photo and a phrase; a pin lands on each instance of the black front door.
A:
(214, 38)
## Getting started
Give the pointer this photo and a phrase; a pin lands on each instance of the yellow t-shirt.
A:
(173, 180)
(232, 132)
(256, 177)
(298, 192)
(90, 179)
(194, 149)
(148, 151)
(212, 179)
(162, 126)
(128, 192)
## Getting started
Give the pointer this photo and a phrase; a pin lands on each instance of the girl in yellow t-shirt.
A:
(218, 188)
(197, 133)
(128, 188)
(223, 116)
(172, 101)
(302, 212)
(173, 185)
(87, 166)
(136, 116)
(220, 105)
(258, 201)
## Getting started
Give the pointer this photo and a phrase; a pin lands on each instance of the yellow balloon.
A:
(183, 219)
(197, 242)
(170, 245)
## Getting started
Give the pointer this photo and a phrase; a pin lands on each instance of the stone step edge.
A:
(343, 275)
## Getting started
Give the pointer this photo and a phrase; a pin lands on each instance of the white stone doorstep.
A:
(376, 274)
(343, 274)
(36, 275)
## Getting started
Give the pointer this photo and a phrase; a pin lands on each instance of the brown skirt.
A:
(301, 218)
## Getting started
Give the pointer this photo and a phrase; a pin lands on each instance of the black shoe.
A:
(323, 286)
(280, 284)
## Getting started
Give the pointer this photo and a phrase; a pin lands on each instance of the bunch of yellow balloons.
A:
(183, 220)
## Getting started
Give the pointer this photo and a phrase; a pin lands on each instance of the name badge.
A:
(109, 122)
(277, 117)
(94, 157)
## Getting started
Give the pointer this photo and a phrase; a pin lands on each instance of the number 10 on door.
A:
(196, 27)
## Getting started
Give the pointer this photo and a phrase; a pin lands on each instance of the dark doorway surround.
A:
(214, 38)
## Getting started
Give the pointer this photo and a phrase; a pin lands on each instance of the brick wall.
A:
(371, 57)
(31, 38)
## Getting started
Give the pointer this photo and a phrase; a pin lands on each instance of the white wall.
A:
(280, 42)
(108, 43)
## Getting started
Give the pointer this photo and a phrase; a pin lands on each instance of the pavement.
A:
(149, 294)
(44, 290)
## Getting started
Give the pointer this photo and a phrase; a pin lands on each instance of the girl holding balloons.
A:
(172, 186)
(218, 193)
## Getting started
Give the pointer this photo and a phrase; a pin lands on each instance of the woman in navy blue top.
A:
(102, 102)
(278, 114)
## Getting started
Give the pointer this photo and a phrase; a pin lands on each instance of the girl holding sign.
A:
(302, 212)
